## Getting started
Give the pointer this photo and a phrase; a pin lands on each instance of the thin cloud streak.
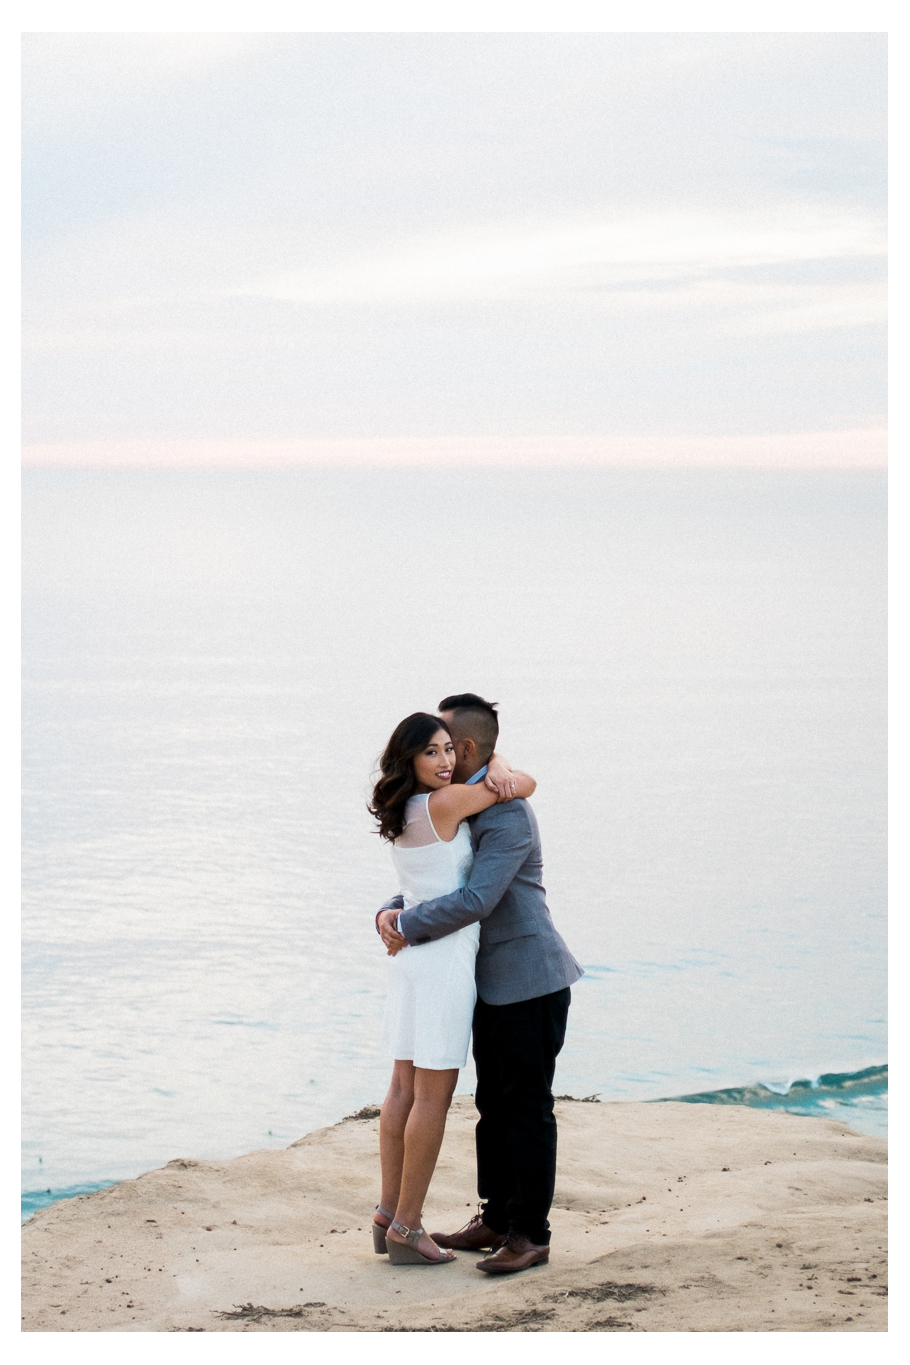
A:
(515, 263)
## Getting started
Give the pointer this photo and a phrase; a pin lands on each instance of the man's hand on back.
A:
(385, 923)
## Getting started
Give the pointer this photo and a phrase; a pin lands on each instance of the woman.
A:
(431, 987)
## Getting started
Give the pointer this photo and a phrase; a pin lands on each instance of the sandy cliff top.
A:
(667, 1217)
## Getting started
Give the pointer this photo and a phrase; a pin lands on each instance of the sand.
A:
(667, 1218)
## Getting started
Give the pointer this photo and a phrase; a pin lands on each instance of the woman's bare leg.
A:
(423, 1133)
(392, 1120)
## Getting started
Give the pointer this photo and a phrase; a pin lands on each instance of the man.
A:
(524, 972)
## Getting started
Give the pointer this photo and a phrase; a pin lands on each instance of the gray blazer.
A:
(521, 955)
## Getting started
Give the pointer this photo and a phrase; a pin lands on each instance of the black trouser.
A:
(515, 1048)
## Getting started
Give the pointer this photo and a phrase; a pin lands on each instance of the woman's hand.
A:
(500, 779)
(448, 806)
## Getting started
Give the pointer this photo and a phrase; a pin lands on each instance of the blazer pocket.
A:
(501, 933)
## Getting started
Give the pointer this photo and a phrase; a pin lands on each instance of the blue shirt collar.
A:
(478, 777)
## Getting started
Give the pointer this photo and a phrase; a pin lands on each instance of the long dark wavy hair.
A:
(396, 780)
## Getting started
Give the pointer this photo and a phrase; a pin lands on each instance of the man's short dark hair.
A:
(474, 718)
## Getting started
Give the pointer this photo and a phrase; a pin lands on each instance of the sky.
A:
(404, 247)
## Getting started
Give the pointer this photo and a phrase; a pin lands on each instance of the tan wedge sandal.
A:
(379, 1242)
(408, 1254)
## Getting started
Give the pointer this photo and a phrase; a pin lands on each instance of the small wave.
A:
(845, 1085)
(857, 1098)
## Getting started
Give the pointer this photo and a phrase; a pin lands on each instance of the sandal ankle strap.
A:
(410, 1235)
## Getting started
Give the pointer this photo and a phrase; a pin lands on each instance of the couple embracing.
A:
(472, 945)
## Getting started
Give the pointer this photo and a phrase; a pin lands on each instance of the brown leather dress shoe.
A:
(517, 1253)
(474, 1236)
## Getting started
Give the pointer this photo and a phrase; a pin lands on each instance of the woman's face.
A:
(433, 767)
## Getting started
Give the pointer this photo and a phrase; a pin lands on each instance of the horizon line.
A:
(855, 448)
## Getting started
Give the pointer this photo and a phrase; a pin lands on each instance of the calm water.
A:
(692, 665)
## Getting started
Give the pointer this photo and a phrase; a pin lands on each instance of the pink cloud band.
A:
(863, 448)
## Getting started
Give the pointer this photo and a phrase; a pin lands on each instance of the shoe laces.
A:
(474, 1222)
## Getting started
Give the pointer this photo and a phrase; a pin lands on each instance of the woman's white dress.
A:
(432, 993)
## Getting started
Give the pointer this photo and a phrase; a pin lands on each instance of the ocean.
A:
(691, 663)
